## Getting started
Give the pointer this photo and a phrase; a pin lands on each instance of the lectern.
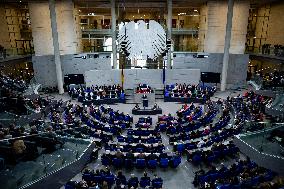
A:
(145, 101)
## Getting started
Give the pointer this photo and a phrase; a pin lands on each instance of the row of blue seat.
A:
(131, 139)
(142, 132)
(142, 163)
(199, 156)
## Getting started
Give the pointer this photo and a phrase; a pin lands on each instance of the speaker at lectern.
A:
(145, 100)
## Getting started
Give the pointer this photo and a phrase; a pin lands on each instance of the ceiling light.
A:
(195, 10)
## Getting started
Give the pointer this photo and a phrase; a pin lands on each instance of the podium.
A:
(145, 102)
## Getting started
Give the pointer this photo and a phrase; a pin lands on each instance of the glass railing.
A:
(268, 51)
(15, 52)
(259, 83)
(256, 81)
(268, 140)
(30, 158)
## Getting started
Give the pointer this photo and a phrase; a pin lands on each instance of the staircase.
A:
(159, 95)
(129, 96)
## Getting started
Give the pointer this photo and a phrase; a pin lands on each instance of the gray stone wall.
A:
(238, 64)
(44, 66)
(45, 74)
(133, 77)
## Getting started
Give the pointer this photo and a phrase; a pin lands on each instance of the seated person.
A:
(155, 107)
(133, 181)
(152, 156)
(141, 156)
(163, 155)
(120, 178)
(145, 177)
(136, 107)
(157, 179)
(119, 154)
(140, 145)
(129, 155)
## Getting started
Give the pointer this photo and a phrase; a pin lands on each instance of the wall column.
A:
(113, 32)
(169, 34)
(66, 27)
(227, 44)
(56, 46)
(4, 37)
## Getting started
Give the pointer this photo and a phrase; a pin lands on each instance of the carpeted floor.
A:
(179, 178)
(182, 176)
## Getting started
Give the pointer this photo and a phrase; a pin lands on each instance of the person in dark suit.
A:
(133, 181)
(136, 107)
(144, 96)
(140, 145)
(120, 178)
(129, 155)
(152, 156)
(119, 154)
(163, 155)
(141, 156)
(145, 100)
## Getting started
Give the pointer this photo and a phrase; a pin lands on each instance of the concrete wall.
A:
(238, 64)
(4, 37)
(276, 26)
(203, 27)
(67, 27)
(98, 70)
(239, 27)
(44, 66)
(132, 77)
(41, 28)
(213, 20)
(78, 30)
(216, 25)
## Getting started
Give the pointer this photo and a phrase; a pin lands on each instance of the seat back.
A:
(152, 163)
(144, 182)
(110, 180)
(176, 161)
(97, 179)
(117, 162)
(157, 184)
(140, 163)
(164, 162)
